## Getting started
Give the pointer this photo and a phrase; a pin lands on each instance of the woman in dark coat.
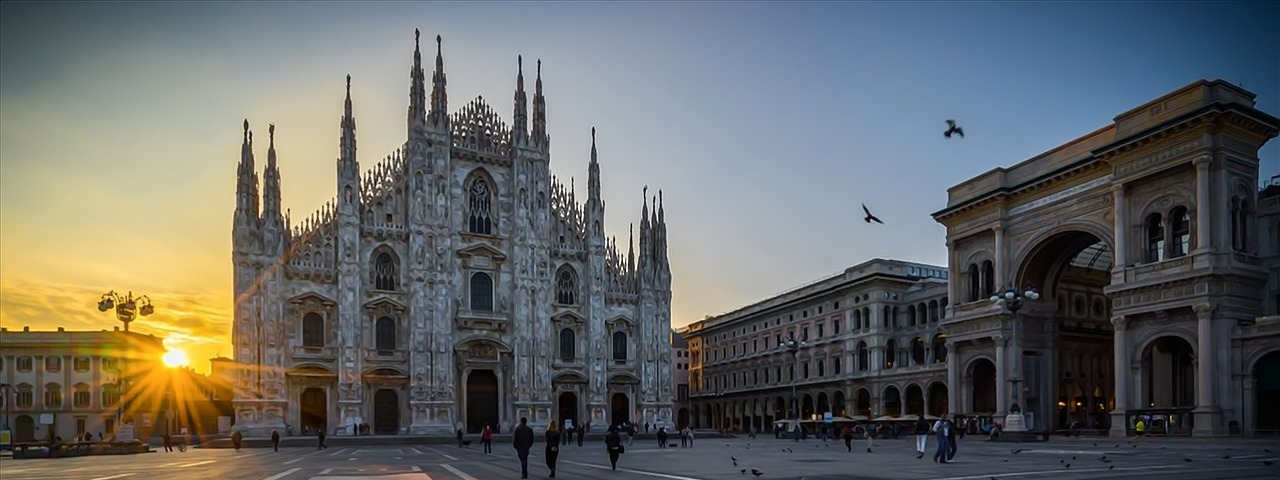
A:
(552, 450)
(613, 443)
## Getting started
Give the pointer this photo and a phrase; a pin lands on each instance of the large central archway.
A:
(314, 409)
(482, 400)
(1266, 376)
(386, 412)
(1070, 269)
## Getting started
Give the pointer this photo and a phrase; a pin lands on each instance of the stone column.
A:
(1208, 415)
(953, 276)
(953, 378)
(1121, 254)
(1002, 376)
(1120, 376)
(999, 260)
(1204, 204)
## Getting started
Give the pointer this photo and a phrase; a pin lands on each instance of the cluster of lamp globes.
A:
(1010, 296)
(126, 307)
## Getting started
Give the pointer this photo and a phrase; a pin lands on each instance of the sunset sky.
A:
(766, 125)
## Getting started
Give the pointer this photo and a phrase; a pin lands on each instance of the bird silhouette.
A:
(953, 129)
(870, 218)
(756, 472)
(1267, 462)
(735, 460)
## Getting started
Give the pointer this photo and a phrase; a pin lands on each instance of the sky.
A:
(766, 125)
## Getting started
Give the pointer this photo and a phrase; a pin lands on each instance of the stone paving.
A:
(710, 459)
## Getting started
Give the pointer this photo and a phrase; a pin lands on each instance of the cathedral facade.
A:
(455, 284)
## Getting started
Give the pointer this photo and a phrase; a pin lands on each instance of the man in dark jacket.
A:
(922, 436)
(275, 440)
(523, 441)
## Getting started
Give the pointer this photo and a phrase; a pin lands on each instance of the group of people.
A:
(522, 440)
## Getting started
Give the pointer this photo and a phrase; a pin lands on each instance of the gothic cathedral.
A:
(456, 284)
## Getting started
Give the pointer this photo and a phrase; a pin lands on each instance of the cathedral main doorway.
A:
(386, 412)
(314, 409)
(568, 408)
(482, 400)
(619, 408)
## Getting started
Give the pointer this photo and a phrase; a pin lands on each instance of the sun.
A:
(175, 358)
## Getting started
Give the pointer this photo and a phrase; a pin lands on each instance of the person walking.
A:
(922, 436)
(275, 440)
(458, 435)
(847, 434)
(690, 429)
(552, 451)
(320, 437)
(486, 439)
(662, 437)
(952, 433)
(522, 440)
(168, 442)
(582, 432)
(613, 444)
(236, 439)
(943, 428)
(870, 431)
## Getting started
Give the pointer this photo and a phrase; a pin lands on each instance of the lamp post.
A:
(127, 309)
(793, 346)
(1012, 299)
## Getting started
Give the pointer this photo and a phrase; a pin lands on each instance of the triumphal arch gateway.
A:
(1143, 239)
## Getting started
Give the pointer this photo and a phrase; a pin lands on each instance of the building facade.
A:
(455, 284)
(680, 378)
(65, 384)
(871, 346)
(1148, 243)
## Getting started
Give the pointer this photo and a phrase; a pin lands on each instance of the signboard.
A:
(125, 433)
(46, 419)
(826, 417)
(6, 440)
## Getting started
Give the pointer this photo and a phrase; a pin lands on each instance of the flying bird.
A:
(756, 472)
(870, 218)
(953, 129)
(735, 460)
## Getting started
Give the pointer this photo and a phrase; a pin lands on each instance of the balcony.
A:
(315, 353)
(483, 320)
(385, 356)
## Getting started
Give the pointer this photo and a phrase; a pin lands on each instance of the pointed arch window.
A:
(1181, 229)
(911, 315)
(619, 347)
(934, 311)
(566, 286)
(312, 330)
(568, 349)
(479, 207)
(917, 351)
(384, 272)
(1241, 220)
(1155, 237)
(481, 292)
(890, 351)
(385, 334)
(939, 349)
(822, 367)
(988, 279)
(1235, 223)
(975, 282)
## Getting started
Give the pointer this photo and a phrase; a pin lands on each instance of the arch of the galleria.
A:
(1156, 258)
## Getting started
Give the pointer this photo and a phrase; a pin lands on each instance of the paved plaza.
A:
(710, 459)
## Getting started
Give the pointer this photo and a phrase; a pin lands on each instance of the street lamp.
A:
(793, 346)
(1012, 299)
(127, 308)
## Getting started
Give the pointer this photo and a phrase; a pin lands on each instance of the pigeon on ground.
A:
(1015, 452)
(735, 460)
(870, 218)
(1267, 462)
(1109, 467)
(953, 129)
(756, 472)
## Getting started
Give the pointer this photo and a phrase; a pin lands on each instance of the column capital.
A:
(999, 340)
(1204, 311)
(1119, 322)
(1117, 188)
(1202, 162)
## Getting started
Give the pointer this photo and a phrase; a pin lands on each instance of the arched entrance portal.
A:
(314, 409)
(24, 429)
(937, 399)
(568, 409)
(386, 412)
(915, 400)
(482, 400)
(863, 403)
(619, 408)
(1266, 377)
(1169, 373)
(984, 386)
(682, 419)
(1070, 269)
(892, 402)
